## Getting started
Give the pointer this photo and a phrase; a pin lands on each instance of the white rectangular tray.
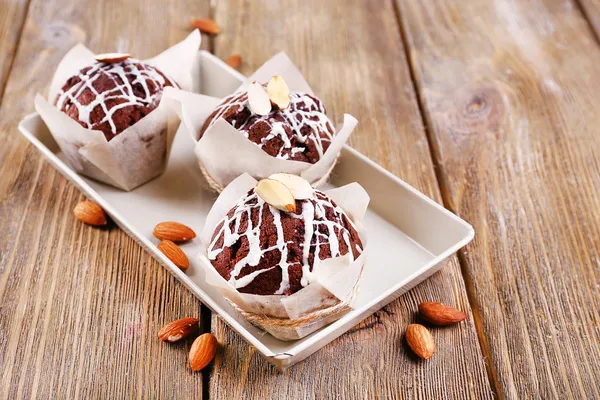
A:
(409, 234)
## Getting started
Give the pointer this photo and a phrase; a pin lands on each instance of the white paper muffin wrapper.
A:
(140, 152)
(225, 153)
(334, 280)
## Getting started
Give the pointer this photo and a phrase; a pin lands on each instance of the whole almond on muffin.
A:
(110, 58)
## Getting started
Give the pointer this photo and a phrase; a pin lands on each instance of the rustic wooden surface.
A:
(372, 81)
(511, 103)
(493, 113)
(79, 307)
(591, 11)
(12, 17)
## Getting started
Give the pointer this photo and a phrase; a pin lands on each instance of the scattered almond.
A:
(203, 351)
(206, 25)
(174, 253)
(440, 314)
(234, 61)
(279, 92)
(258, 99)
(420, 341)
(276, 194)
(173, 231)
(90, 213)
(299, 186)
(110, 58)
(177, 330)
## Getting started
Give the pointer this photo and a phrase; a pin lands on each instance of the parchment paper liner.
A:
(224, 153)
(141, 151)
(329, 295)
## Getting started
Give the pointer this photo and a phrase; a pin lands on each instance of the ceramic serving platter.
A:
(409, 234)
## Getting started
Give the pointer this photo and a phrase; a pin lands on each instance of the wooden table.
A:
(490, 108)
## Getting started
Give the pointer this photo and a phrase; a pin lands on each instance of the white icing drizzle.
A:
(302, 111)
(120, 73)
(314, 217)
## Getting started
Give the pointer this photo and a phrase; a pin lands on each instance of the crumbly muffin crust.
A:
(111, 97)
(262, 250)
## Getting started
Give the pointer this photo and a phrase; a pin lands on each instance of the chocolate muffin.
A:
(300, 132)
(110, 97)
(261, 250)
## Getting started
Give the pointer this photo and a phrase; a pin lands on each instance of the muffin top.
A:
(300, 132)
(262, 250)
(110, 97)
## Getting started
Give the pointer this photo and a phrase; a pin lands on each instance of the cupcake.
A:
(286, 255)
(260, 249)
(112, 94)
(111, 115)
(272, 123)
(299, 130)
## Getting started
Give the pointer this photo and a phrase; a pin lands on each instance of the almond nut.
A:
(279, 92)
(258, 99)
(174, 253)
(173, 231)
(420, 341)
(440, 314)
(299, 186)
(177, 330)
(234, 61)
(203, 351)
(90, 213)
(110, 58)
(206, 25)
(276, 194)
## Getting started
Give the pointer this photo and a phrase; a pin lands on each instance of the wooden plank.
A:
(353, 57)
(510, 94)
(591, 11)
(12, 17)
(80, 307)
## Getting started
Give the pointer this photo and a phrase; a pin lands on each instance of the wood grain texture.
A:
(353, 57)
(510, 91)
(12, 17)
(591, 11)
(80, 307)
